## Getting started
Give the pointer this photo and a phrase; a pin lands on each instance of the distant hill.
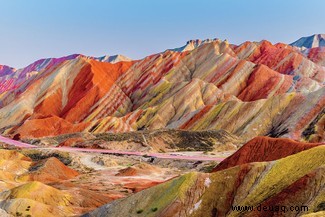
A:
(317, 40)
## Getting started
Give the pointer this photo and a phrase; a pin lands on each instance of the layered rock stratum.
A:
(286, 182)
(252, 89)
(95, 126)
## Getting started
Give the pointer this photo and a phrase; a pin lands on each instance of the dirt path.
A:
(16, 143)
(69, 149)
(86, 160)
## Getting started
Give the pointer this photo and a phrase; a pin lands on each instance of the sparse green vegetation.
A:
(37, 155)
(171, 138)
(154, 209)
(208, 168)
(311, 129)
(174, 139)
(162, 151)
(139, 211)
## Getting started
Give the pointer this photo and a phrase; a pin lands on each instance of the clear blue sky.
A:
(34, 29)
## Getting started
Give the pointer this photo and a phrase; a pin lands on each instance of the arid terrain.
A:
(191, 131)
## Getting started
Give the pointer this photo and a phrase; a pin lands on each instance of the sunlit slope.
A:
(253, 184)
(251, 89)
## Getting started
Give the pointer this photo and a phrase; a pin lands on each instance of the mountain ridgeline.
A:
(252, 89)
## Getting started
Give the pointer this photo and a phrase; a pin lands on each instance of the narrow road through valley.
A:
(70, 149)
(16, 143)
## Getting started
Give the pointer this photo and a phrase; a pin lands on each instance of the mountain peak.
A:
(194, 43)
(113, 59)
(5, 70)
(316, 40)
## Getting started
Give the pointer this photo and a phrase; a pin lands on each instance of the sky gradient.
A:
(36, 29)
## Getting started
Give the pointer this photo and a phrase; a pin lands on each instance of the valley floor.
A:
(98, 176)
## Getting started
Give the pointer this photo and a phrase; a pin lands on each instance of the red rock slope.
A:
(262, 149)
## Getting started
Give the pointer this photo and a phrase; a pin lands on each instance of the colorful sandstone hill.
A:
(286, 182)
(262, 149)
(206, 96)
(252, 89)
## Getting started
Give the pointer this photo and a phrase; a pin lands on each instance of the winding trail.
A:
(105, 151)
(16, 143)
